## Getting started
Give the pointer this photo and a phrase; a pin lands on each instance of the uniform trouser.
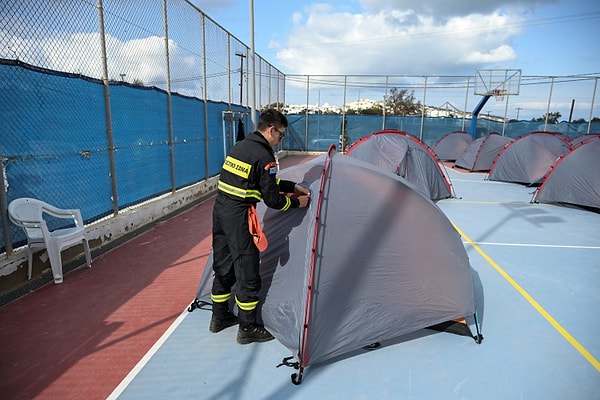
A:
(235, 259)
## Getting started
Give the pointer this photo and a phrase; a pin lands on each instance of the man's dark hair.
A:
(271, 117)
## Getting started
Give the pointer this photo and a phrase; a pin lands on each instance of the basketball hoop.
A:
(499, 94)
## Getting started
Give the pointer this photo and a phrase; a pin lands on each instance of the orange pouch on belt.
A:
(260, 240)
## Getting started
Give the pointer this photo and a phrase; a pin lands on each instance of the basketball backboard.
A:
(497, 82)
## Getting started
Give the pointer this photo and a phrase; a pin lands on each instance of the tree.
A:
(377, 109)
(553, 117)
(401, 102)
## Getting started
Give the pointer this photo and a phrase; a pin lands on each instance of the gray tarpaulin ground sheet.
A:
(386, 261)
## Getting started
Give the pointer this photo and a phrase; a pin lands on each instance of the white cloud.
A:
(297, 18)
(499, 54)
(443, 9)
(397, 41)
(140, 59)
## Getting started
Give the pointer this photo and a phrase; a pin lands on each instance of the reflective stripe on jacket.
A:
(249, 175)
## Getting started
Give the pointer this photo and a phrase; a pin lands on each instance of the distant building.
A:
(446, 110)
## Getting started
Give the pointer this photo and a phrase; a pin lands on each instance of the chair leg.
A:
(88, 256)
(55, 263)
(29, 261)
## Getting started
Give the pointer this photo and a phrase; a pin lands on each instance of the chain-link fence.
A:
(327, 108)
(107, 103)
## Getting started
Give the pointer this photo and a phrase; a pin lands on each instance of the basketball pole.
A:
(476, 112)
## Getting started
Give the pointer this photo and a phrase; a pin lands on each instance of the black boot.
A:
(221, 318)
(217, 324)
(253, 333)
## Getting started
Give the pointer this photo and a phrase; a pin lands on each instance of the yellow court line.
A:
(586, 354)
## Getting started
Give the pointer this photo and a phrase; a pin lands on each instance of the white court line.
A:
(516, 202)
(478, 181)
(559, 246)
(142, 363)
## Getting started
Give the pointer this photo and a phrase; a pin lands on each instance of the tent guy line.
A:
(582, 350)
(561, 246)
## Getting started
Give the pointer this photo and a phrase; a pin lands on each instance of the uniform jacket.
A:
(249, 175)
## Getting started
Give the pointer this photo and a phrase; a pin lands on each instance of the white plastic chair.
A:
(28, 214)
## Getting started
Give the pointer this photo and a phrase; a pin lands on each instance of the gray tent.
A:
(574, 178)
(451, 145)
(482, 152)
(584, 138)
(370, 259)
(405, 155)
(528, 159)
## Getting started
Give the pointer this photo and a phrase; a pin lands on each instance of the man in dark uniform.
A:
(247, 177)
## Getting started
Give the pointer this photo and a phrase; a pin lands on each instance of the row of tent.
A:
(564, 170)
(373, 257)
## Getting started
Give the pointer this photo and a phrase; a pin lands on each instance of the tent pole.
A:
(303, 354)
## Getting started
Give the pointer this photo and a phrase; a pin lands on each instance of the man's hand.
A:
(301, 190)
(304, 201)
(302, 194)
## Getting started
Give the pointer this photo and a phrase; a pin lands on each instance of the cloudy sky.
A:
(541, 37)
(430, 37)
(419, 38)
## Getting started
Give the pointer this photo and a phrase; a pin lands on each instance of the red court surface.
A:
(78, 339)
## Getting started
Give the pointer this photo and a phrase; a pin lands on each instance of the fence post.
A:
(505, 114)
(464, 113)
(548, 108)
(169, 100)
(343, 128)
(252, 75)
(4, 210)
(204, 96)
(283, 97)
(306, 111)
(423, 110)
(385, 101)
(592, 106)
(108, 113)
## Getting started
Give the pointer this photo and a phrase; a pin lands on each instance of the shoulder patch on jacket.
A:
(271, 167)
